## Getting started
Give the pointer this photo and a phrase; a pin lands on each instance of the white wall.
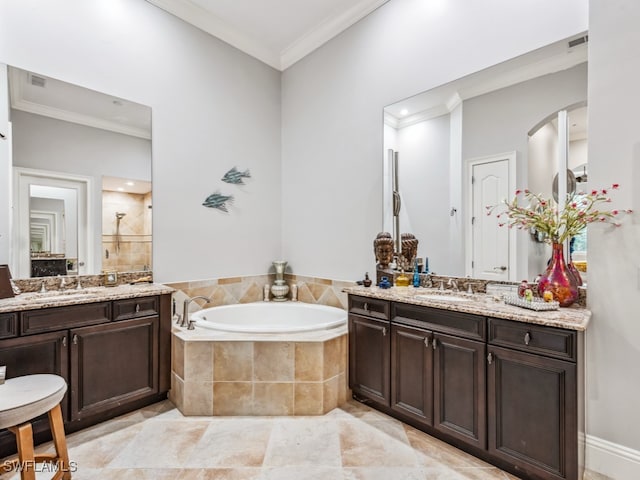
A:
(423, 172)
(332, 110)
(5, 170)
(213, 107)
(613, 338)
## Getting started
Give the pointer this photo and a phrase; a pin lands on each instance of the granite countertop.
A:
(571, 318)
(60, 298)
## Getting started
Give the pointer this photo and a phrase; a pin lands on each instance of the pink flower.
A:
(594, 192)
(614, 212)
(603, 219)
(518, 192)
(615, 186)
(526, 190)
(629, 211)
(604, 191)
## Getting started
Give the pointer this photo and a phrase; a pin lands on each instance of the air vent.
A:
(37, 81)
(578, 41)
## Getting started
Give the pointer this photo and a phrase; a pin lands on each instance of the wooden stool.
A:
(21, 400)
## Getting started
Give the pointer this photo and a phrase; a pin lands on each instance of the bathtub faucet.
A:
(185, 310)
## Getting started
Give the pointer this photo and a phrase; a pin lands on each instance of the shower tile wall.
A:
(134, 253)
(226, 291)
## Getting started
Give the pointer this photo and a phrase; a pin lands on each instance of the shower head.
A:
(119, 215)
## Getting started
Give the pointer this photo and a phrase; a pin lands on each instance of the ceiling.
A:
(42, 95)
(277, 32)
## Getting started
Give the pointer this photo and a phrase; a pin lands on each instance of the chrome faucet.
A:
(185, 310)
(453, 284)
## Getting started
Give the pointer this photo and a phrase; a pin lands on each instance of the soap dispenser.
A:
(416, 275)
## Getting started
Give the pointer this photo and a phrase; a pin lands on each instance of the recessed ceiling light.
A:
(120, 189)
(130, 184)
(404, 111)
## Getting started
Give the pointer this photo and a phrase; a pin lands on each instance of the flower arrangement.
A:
(541, 215)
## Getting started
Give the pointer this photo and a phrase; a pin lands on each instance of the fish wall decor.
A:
(234, 176)
(219, 201)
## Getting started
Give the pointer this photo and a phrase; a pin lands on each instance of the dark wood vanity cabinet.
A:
(369, 347)
(113, 363)
(412, 373)
(532, 397)
(504, 390)
(438, 379)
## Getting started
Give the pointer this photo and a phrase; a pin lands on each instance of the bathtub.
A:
(264, 358)
(268, 317)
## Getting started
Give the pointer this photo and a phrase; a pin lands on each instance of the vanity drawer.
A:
(549, 341)
(59, 318)
(445, 321)
(370, 307)
(8, 325)
(135, 307)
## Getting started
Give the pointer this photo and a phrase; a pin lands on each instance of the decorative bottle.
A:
(416, 275)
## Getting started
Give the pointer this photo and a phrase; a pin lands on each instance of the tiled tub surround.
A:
(246, 289)
(223, 373)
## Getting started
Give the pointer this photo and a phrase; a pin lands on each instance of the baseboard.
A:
(611, 459)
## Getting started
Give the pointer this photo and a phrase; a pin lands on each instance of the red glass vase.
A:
(558, 279)
(574, 271)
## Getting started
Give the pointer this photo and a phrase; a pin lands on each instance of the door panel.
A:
(459, 389)
(113, 364)
(411, 373)
(369, 355)
(490, 242)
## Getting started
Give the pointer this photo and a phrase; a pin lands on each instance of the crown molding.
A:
(325, 31)
(80, 119)
(214, 25)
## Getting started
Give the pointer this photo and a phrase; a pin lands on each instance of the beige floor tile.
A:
(141, 473)
(354, 442)
(303, 442)
(232, 443)
(221, 474)
(380, 449)
(98, 446)
(161, 443)
(309, 473)
(384, 473)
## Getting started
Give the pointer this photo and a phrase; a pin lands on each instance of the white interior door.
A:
(490, 242)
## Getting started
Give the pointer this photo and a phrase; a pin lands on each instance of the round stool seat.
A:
(24, 398)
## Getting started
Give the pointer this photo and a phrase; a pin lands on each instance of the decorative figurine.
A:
(383, 249)
(367, 281)
(409, 250)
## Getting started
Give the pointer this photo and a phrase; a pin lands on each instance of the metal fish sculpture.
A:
(235, 177)
(219, 201)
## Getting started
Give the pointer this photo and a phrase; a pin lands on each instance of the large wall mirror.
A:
(471, 143)
(81, 162)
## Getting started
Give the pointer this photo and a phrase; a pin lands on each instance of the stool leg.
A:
(60, 442)
(26, 459)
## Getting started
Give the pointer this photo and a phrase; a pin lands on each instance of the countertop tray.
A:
(536, 304)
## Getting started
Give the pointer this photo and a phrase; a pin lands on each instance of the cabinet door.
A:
(369, 353)
(532, 413)
(412, 373)
(43, 353)
(113, 364)
(459, 389)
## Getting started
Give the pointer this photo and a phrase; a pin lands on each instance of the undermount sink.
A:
(442, 298)
(56, 295)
